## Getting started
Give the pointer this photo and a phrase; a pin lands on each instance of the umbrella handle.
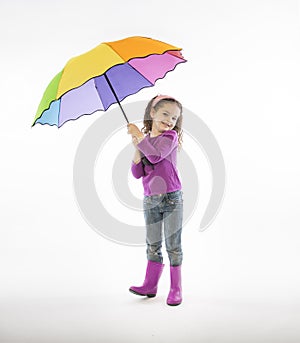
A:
(115, 95)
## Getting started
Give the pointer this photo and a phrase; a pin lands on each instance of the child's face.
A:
(165, 117)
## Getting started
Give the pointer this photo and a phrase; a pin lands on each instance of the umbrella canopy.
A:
(105, 75)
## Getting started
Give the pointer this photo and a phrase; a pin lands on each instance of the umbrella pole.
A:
(115, 95)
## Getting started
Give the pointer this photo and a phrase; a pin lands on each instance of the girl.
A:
(155, 161)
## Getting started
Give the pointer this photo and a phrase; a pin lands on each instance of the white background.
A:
(60, 280)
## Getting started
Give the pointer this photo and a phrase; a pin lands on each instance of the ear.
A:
(152, 112)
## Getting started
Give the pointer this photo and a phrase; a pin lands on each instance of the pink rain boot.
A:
(149, 287)
(175, 297)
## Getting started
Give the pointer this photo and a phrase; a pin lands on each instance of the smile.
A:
(166, 124)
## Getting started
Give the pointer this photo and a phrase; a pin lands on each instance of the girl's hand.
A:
(135, 141)
(135, 132)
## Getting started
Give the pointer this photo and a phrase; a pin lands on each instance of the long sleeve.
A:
(160, 148)
(137, 169)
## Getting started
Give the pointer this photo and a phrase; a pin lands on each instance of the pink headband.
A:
(160, 97)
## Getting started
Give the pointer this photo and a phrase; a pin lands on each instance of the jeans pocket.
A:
(151, 202)
(147, 203)
(175, 198)
(147, 200)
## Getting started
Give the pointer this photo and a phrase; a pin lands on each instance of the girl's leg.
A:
(153, 220)
(173, 217)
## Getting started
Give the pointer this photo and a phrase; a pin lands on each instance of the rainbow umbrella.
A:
(104, 76)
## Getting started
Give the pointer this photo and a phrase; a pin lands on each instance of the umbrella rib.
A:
(140, 73)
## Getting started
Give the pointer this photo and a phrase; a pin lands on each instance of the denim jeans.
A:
(163, 215)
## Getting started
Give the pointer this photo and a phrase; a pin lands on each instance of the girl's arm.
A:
(137, 155)
(161, 148)
(137, 168)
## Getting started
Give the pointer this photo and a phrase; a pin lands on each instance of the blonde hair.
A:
(148, 120)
